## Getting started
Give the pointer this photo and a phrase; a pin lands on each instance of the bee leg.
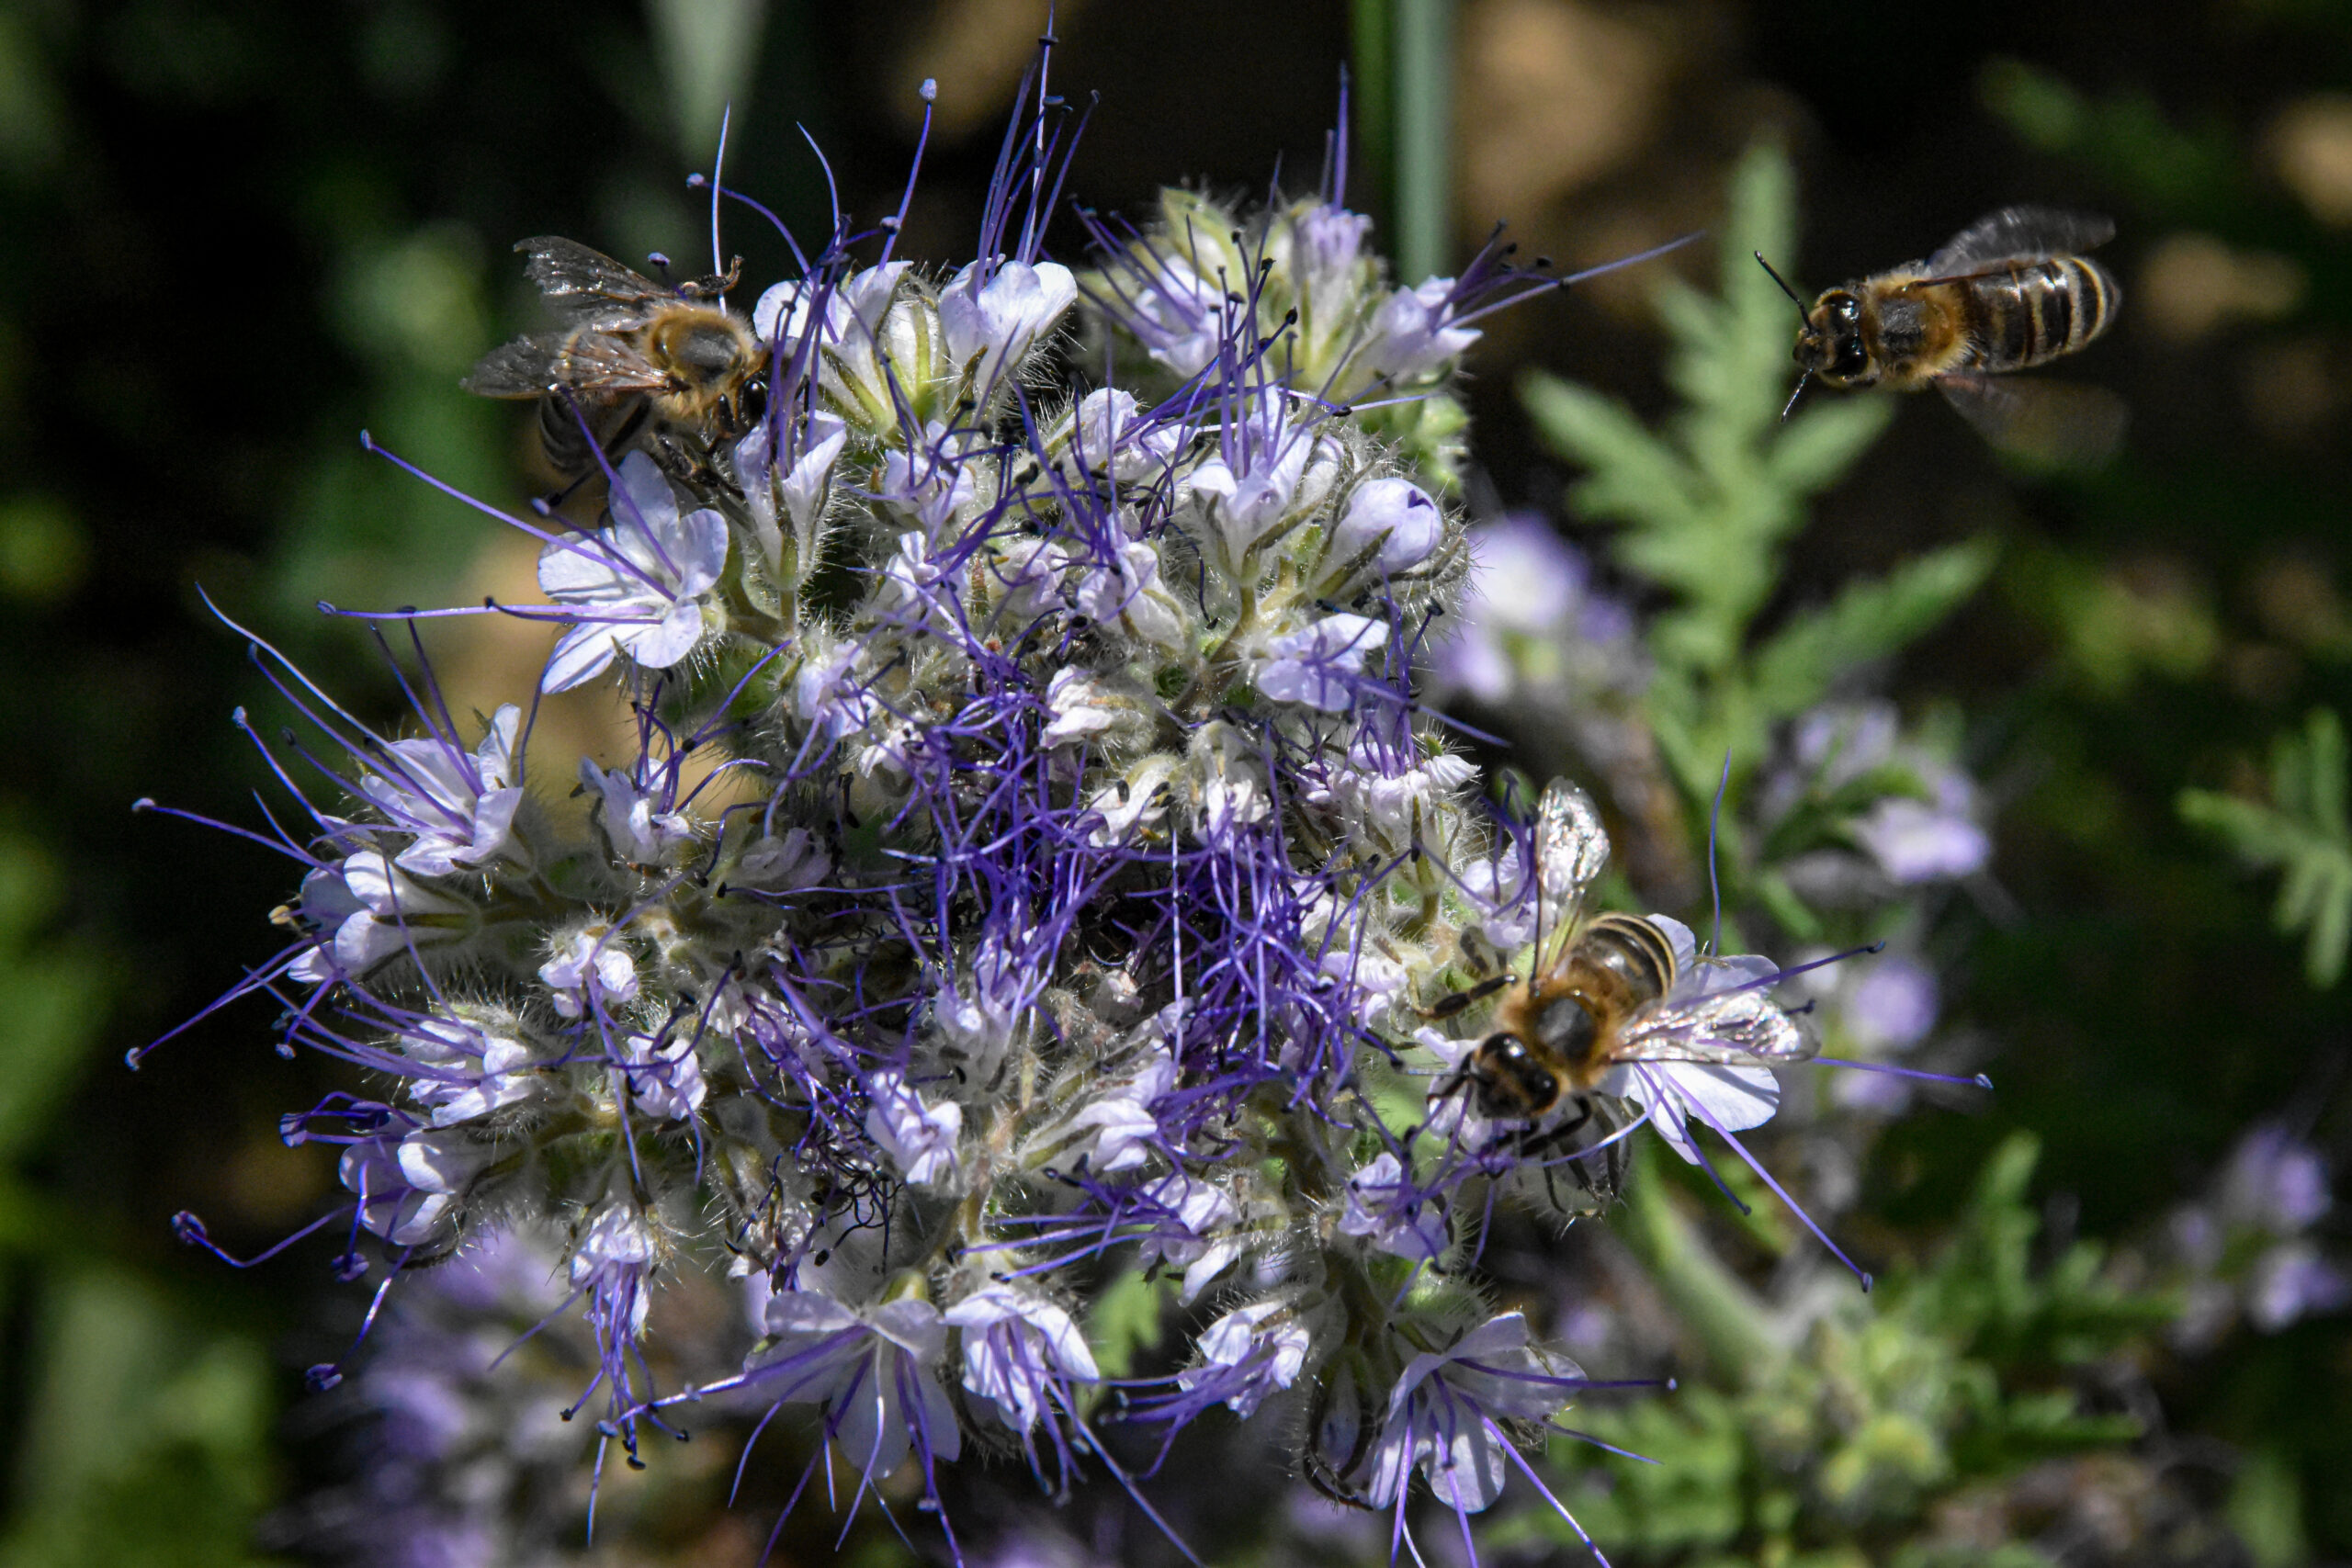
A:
(1454, 1001)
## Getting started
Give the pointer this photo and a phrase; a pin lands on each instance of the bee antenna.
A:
(1714, 889)
(1782, 282)
(1790, 406)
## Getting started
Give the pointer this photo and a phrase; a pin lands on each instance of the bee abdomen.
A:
(2043, 310)
(1635, 950)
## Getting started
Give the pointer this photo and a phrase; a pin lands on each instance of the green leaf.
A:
(1869, 619)
(1125, 1321)
(2303, 832)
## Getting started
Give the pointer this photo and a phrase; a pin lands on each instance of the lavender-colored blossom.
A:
(1267, 466)
(1191, 1227)
(663, 1075)
(1418, 330)
(475, 1068)
(1113, 433)
(1392, 520)
(1027, 875)
(1318, 665)
(1913, 840)
(637, 587)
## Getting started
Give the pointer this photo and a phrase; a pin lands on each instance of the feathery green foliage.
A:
(2303, 831)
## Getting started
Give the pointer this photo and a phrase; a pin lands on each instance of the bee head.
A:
(1510, 1081)
(1830, 343)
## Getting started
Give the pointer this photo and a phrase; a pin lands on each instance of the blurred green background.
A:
(234, 234)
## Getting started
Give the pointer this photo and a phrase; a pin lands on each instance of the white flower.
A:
(390, 1208)
(1260, 474)
(471, 1071)
(663, 1076)
(997, 312)
(918, 1138)
(830, 692)
(373, 908)
(1177, 315)
(1262, 1341)
(1122, 591)
(976, 1021)
(588, 969)
(641, 835)
(1109, 435)
(1386, 1207)
(871, 1374)
(638, 585)
(1441, 1415)
(613, 1259)
(1016, 1347)
(1727, 1097)
(1318, 665)
(1113, 1128)
(928, 480)
(785, 864)
(460, 808)
(1192, 1229)
(1080, 705)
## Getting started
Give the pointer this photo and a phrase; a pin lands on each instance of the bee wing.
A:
(524, 368)
(2054, 425)
(607, 365)
(1736, 1028)
(2018, 233)
(588, 285)
(1571, 846)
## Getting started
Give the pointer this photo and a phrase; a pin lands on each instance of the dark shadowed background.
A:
(233, 234)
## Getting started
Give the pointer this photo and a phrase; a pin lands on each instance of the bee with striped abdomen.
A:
(631, 351)
(2011, 291)
(1602, 993)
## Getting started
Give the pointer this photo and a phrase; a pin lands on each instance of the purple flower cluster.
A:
(1070, 862)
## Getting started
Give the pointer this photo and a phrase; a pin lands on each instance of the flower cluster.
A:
(2248, 1250)
(1037, 869)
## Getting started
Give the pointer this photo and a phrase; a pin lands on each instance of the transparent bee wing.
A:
(2018, 233)
(1571, 846)
(607, 367)
(524, 368)
(2051, 425)
(1730, 1027)
(588, 285)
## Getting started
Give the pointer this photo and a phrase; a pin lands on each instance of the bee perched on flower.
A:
(1034, 849)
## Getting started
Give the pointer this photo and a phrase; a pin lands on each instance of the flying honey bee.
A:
(2011, 291)
(1600, 993)
(631, 349)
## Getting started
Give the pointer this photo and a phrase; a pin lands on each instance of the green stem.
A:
(1423, 39)
(1732, 1323)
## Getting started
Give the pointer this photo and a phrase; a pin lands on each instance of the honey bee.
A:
(631, 349)
(1602, 993)
(2010, 291)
